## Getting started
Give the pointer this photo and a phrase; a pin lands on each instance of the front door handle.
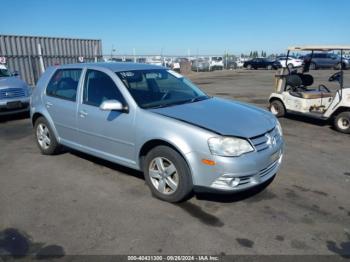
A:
(83, 113)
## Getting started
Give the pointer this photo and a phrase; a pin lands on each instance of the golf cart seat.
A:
(314, 94)
(299, 83)
(307, 80)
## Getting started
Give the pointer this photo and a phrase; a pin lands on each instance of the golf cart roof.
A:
(319, 47)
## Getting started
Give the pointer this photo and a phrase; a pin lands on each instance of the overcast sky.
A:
(174, 27)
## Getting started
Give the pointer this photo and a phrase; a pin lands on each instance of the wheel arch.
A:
(38, 114)
(277, 98)
(339, 110)
(35, 117)
(150, 144)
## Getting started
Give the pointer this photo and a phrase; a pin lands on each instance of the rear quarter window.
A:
(64, 84)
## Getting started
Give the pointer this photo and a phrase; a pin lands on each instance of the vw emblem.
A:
(271, 141)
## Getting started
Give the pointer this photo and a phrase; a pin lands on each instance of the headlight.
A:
(279, 128)
(229, 146)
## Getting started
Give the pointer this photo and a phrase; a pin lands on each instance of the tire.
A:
(269, 67)
(313, 66)
(249, 67)
(277, 108)
(172, 187)
(290, 66)
(342, 122)
(43, 131)
(339, 66)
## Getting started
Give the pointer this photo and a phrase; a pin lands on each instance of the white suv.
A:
(292, 61)
(216, 63)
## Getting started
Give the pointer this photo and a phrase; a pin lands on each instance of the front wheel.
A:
(277, 108)
(45, 137)
(269, 67)
(167, 174)
(342, 122)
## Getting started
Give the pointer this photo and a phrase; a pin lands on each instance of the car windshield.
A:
(4, 72)
(160, 88)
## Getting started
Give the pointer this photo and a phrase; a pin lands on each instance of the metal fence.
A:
(22, 53)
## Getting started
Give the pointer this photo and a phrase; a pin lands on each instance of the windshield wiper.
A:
(199, 98)
(192, 100)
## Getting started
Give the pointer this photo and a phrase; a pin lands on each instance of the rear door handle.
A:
(83, 113)
(48, 104)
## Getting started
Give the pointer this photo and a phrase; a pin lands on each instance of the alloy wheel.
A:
(43, 136)
(163, 175)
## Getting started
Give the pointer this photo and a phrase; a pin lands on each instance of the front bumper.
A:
(232, 174)
(22, 105)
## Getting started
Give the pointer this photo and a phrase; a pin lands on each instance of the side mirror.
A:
(113, 105)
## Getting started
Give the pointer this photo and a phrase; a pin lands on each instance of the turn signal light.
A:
(208, 162)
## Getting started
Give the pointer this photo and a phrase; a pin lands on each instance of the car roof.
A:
(114, 66)
(319, 47)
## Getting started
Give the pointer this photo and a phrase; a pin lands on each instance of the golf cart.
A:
(296, 94)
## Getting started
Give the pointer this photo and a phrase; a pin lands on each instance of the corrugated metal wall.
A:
(21, 53)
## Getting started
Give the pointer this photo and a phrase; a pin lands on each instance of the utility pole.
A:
(41, 61)
(197, 60)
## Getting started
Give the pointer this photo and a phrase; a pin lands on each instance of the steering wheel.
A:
(323, 87)
(335, 77)
(166, 94)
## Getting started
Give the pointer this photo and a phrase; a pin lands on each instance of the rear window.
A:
(64, 84)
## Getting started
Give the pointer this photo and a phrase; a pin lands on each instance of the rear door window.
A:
(64, 84)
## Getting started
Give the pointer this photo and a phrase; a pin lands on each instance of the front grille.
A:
(264, 141)
(11, 93)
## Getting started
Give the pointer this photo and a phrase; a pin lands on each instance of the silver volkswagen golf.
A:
(152, 119)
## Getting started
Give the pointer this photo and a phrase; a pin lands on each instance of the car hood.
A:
(222, 116)
(11, 81)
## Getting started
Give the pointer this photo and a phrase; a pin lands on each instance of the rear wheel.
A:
(342, 122)
(313, 66)
(269, 67)
(249, 67)
(167, 174)
(277, 108)
(339, 66)
(290, 66)
(45, 137)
